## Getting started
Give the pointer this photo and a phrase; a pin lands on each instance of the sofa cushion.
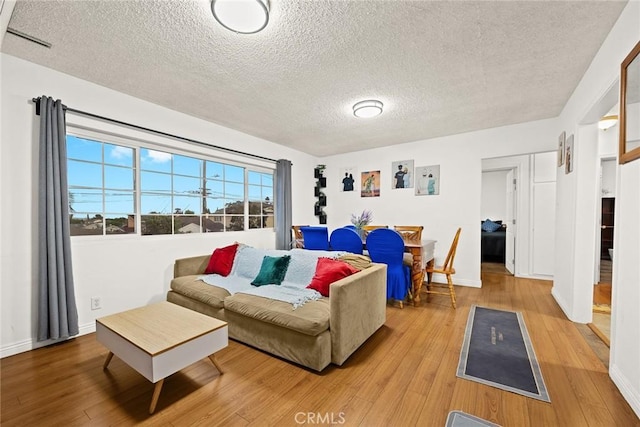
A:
(194, 288)
(272, 270)
(328, 271)
(310, 319)
(221, 260)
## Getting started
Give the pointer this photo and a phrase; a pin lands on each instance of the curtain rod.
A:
(158, 132)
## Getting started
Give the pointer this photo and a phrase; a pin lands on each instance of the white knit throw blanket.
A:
(295, 296)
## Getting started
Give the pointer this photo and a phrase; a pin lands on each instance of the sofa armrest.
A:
(190, 266)
(358, 309)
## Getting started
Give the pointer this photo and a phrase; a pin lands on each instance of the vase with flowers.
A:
(359, 221)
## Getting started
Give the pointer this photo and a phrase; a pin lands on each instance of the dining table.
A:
(423, 255)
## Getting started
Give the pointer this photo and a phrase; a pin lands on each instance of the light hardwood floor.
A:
(405, 375)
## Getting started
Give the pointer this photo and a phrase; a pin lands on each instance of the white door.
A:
(510, 243)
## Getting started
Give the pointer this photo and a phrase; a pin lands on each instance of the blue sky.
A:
(224, 183)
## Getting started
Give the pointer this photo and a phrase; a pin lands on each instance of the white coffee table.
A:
(160, 339)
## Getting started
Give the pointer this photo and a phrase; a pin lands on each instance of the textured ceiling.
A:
(440, 68)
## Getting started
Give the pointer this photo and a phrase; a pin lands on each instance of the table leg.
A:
(212, 357)
(106, 362)
(430, 263)
(156, 395)
(417, 274)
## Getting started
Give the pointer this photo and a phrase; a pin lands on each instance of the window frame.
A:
(137, 144)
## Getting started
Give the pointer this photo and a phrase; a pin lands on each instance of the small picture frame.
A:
(428, 180)
(348, 178)
(402, 174)
(370, 184)
(561, 142)
(568, 155)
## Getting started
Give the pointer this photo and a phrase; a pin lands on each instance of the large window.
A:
(174, 193)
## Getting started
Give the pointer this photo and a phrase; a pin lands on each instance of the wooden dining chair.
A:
(409, 232)
(369, 228)
(446, 269)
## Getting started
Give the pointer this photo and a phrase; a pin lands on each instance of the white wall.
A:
(493, 204)
(126, 271)
(457, 205)
(576, 207)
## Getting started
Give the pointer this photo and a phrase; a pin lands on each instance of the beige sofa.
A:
(315, 334)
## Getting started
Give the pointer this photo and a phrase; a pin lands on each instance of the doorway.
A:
(601, 319)
(498, 212)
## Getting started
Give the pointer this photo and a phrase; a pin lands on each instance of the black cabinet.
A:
(321, 182)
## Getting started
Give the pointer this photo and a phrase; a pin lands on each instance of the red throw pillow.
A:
(329, 270)
(221, 260)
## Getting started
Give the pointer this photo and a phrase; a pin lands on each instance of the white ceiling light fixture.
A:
(607, 121)
(367, 109)
(241, 16)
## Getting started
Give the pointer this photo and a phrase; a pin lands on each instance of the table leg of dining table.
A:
(430, 264)
(417, 275)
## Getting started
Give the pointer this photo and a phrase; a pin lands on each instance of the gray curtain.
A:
(283, 204)
(57, 312)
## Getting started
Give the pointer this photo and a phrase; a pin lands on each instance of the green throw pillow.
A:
(272, 270)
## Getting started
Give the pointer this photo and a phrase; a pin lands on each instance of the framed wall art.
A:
(402, 174)
(568, 155)
(561, 141)
(629, 138)
(428, 180)
(348, 178)
(370, 184)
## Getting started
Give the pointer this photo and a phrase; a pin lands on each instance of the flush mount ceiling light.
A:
(241, 16)
(367, 109)
(607, 121)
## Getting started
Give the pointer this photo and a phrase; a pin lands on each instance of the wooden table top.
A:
(159, 327)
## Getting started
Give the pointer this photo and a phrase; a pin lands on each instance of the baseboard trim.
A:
(630, 395)
(441, 278)
(560, 302)
(535, 276)
(32, 344)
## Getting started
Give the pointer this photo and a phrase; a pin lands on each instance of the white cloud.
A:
(158, 156)
(121, 152)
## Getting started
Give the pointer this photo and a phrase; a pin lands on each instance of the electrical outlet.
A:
(96, 303)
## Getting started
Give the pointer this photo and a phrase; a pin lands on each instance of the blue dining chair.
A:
(345, 239)
(386, 246)
(315, 238)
